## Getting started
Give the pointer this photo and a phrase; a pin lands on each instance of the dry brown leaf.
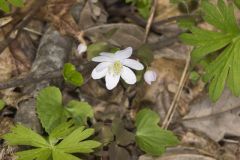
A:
(165, 10)
(118, 34)
(215, 119)
(161, 92)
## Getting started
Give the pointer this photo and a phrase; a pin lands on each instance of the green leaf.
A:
(220, 16)
(4, 6)
(149, 136)
(95, 48)
(49, 108)
(186, 23)
(80, 111)
(36, 154)
(24, 136)
(71, 75)
(237, 3)
(219, 75)
(74, 143)
(225, 67)
(69, 141)
(143, 6)
(16, 3)
(194, 76)
(233, 81)
(2, 104)
(61, 131)
(205, 42)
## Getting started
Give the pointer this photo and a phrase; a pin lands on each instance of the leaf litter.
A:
(207, 130)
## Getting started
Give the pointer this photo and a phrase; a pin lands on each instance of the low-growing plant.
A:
(64, 137)
(149, 136)
(2, 104)
(5, 4)
(219, 46)
(60, 144)
(143, 6)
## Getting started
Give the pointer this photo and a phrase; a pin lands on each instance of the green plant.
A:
(225, 40)
(4, 4)
(71, 75)
(51, 111)
(237, 3)
(2, 104)
(65, 137)
(143, 6)
(60, 144)
(149, 136)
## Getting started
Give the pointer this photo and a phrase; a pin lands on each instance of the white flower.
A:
(150, 76)
(81, 48)
(114, 66)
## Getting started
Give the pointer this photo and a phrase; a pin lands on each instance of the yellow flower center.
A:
(116, 68)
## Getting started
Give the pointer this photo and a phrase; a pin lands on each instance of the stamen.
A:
(116, 68)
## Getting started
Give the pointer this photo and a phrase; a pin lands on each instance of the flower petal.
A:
(99, 74)
(150, 76)
(102, 66)
(107, 54)
(102, 59)
(123, 54)
(131, 63)
(128, 76)
(111, 80)
(81, 48)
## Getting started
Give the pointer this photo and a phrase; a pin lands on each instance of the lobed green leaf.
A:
(80, 111)
(34, 154)
(16, 3)
(25, 136)
(220, 16)
(73, 142)
(4, 6)
(49, 108)
(71, 75)
(225, 68)
(149, 136)
(2, 104)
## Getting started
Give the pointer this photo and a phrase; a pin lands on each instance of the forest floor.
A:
(38, 39)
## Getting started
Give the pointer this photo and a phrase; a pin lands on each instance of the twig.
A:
(176, 98)
(32, 31)
(15, 31)
(127, 12)
(175, 18)
(162, 43)
(150, 19)
(32, 78)
(29, 79)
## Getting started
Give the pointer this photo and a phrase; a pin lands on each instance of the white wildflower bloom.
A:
(150, 76)
(81, 48)
(114, 66)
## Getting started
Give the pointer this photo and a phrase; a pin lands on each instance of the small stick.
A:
(150, 19)
(175, 18)
(176, 98)
(32, 31)
(29, 79)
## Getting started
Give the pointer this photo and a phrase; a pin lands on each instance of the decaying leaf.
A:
(120, 34)
(215, 119)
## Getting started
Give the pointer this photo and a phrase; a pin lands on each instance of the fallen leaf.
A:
(215, 119)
